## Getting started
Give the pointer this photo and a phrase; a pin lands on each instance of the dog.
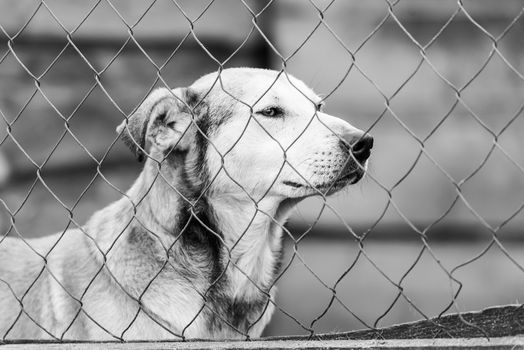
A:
(192, 249)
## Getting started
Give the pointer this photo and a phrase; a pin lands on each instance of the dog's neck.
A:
(252, 240)
(249, 234)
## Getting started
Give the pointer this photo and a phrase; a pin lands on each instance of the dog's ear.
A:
(161, 122)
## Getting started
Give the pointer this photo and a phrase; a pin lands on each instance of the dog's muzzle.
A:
(353, 154)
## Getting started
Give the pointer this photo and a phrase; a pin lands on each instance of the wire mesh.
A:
(141, 316)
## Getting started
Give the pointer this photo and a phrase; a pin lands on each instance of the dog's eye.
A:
(320, 106)
(272, 112)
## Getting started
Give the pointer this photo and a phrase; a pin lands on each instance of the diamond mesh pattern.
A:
(387, 101)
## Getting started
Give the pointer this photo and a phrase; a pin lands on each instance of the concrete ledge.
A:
(459, 343)
(494, 328)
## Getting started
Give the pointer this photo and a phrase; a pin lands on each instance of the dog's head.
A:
(248, 132)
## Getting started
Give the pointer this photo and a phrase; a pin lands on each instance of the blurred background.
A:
(439, 86)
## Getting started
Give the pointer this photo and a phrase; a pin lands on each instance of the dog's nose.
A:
(361, 147)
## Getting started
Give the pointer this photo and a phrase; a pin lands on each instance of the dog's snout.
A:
(361, 147)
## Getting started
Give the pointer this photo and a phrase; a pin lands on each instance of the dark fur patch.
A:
(199, 236)
(225, 313)
(192, 98)
(199, 110)
(201, 141)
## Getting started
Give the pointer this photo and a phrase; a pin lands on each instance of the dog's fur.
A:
(193, 248)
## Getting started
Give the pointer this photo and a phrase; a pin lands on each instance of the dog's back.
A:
(30, 296)
(19, 268)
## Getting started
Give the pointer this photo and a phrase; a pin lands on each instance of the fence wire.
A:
(143, 312)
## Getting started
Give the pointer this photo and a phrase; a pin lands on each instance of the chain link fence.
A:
(435, 227)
